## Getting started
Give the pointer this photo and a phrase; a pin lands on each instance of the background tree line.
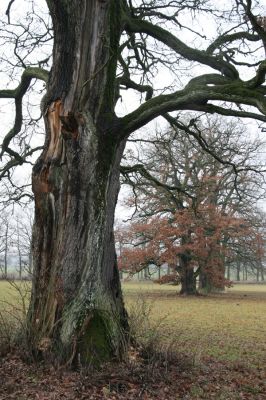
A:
(15, 239)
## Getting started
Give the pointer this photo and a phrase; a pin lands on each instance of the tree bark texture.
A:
(76, 309)
(187, 276)
(208, 284)
(186, 270)
(205, 284)
(238, 266)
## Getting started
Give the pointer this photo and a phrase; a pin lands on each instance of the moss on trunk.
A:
(77, 307)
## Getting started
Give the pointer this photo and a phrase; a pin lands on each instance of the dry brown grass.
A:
(197, 348)
(229, 326)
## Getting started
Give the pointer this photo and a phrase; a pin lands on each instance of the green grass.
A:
(14, 300)
(229, 327)
(13, 292)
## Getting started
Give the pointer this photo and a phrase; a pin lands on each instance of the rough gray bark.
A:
(76, 306)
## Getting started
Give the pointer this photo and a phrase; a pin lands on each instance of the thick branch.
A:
(28, 74)
(128, 83)
(197, 94)
(17, 94)
(213, 109)
(259, 78)
(8, 10)
(224, 39)
(158, 33)
(254, 21)
(15, 161)
(197, 135)
(139, 168)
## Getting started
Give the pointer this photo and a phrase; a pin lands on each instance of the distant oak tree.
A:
(192, 209)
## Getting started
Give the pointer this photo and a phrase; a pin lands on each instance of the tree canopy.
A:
(191, 210)
(154, 37)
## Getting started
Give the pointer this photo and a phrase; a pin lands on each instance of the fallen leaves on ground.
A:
(136, 379)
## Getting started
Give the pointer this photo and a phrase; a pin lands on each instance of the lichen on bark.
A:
(77, 300)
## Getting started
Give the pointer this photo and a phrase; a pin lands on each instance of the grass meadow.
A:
(190, 348)
(229, 326)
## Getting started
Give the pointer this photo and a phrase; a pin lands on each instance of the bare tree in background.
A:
(5, 237)
(22, 243)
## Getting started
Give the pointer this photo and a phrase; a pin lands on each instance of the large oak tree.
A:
(191, 208)
(101, 46)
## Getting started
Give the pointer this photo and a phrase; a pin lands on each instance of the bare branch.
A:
(8, 10)
(224, 39)
(139, 168)
(142, 26)
(18, 94)
(197, 93)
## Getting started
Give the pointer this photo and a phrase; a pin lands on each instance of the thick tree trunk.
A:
(238, 266)
(205, 285)
(187, 277)
(186, 271)
(76, 309)
(228, 273)
(262, 272)
(258, 275)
